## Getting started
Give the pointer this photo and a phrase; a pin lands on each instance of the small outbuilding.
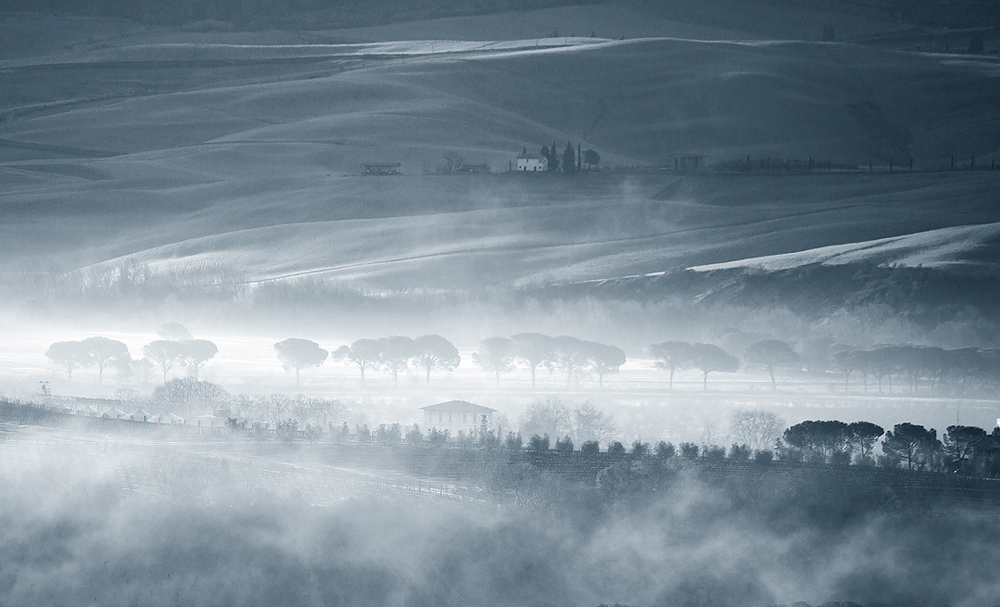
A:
(456, 415)
(473, 168)
(689, 162)
(383, 168)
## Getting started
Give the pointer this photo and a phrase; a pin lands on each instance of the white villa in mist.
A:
(531, 163)
(456, 415)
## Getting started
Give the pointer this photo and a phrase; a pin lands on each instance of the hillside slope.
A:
(248, 156)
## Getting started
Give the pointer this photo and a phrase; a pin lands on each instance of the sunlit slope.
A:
(506, 230)
(262, 176)
(974, 246)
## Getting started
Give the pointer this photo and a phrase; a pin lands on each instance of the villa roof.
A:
(457, 406)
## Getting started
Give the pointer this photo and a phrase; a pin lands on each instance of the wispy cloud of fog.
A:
(74, 530)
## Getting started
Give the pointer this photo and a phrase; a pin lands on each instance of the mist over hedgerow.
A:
(76, 533)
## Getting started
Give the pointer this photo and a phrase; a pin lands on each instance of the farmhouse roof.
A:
(458, 406)
(528, 157)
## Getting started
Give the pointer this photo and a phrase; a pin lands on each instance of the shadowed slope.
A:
(262, 175)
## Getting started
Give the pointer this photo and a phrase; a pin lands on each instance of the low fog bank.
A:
(166, 539)
(860, 304)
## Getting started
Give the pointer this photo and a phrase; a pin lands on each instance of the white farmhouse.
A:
(531, 163)
(456, 415)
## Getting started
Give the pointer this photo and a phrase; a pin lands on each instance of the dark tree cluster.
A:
(570, 160)
(965, 449)
(533, 351)
(950, 371)
(831, 441)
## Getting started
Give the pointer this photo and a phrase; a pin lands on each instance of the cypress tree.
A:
(569, 161)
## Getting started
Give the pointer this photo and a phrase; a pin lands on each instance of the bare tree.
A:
(275, 408)
(248, 405)
(592, 425)
(549, 417)
(190, 396)
(759, 429)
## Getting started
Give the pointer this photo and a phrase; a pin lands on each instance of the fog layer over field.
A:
(101, 519)
(843, 207)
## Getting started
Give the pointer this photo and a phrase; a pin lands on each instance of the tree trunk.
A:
(296, 377)
(671, 378)
(704, 381)
(774, 387)
(362, 367)
(100, 373)
(533, 378)
(428, 375)
(498, 378)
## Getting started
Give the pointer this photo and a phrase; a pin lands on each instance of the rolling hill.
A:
(185, 151)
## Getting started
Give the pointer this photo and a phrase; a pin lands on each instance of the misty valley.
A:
(590, 303)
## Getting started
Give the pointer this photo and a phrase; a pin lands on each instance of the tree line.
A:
(394, 354)
(886, 366)
(549, 425)
(769, 354)
(576, 358)
(968, 450)
(496, 356)
(177, 348)
(907, 445)
(936, 367)
(570, 160)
